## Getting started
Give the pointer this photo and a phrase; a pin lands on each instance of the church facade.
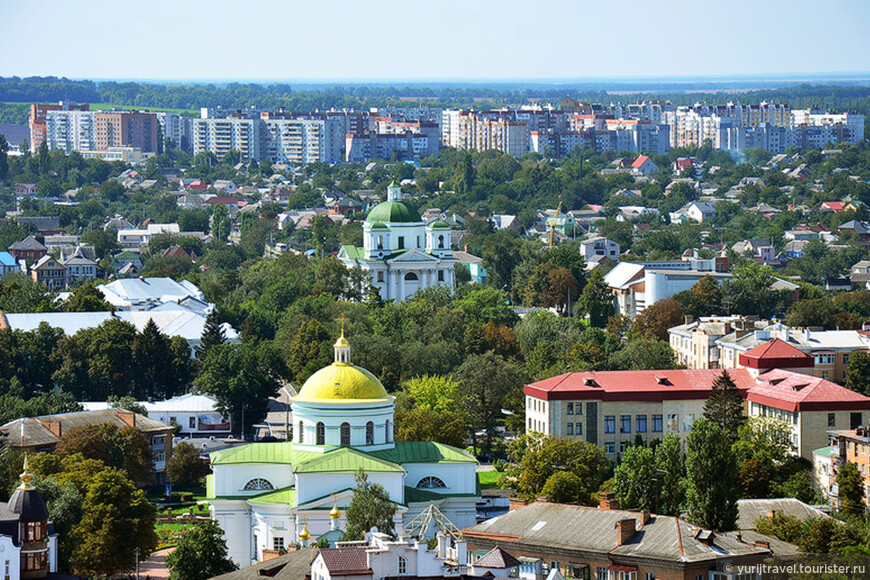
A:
(400, 252)
(267, 496)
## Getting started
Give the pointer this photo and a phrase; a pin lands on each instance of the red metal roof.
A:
(792, 391)
(640, 161)
(834, 205)
(775, 354)
(660, 385)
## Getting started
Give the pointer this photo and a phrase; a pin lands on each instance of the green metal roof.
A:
(439, 225)
(346, 460)
(285, 495)
(414, 494)
(824, 451)
(279, 452)
(378, 226)
(353, 252)
(424, 452)
(393, 212)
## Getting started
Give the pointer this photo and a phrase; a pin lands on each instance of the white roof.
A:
(190, 402)
(622, 273)
(130, 291)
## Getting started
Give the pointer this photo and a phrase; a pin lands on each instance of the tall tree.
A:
(117, 520)
(725, 405)
(185, 468)
(851, 489)
(858, 372)
(152, 356)
(634, 480)
(670, 470)
(86, 298)
(656, 319)
(370, 507)
(711, 474)
(212, 335)
(201, 554)
(596, 301)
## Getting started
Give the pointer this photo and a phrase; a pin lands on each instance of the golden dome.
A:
(341, 342)
(334, 513)
(304, 535)
(342, 382)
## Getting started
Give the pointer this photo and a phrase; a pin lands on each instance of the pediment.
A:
(413, 256)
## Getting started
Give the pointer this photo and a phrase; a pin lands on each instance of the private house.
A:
(43, 224)
(644, 166)
(595, 247)
(79, 266)
(473, 264)
(50, 273)
(26, 189)
(8, 264)
(135, 239)
(192, 414)
(30, 249)
(695, 211)
(146, 293)
(38, 434)
(125, 258)
(756, 248)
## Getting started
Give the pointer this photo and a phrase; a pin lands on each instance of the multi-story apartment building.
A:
(126, 129)
(410, 139)
(38, 114)
(221, 135)
(694, 342)
(70, 130)
(613, 408)
(850, 446)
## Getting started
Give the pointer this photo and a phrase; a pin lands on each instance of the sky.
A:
(437, 39)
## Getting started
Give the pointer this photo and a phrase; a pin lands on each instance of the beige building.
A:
(694, 342)
(852, 446)
(613, 408)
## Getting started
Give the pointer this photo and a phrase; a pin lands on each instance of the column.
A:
(401, 295)
(391, 285)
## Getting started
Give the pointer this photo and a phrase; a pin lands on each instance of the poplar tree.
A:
(725, 405)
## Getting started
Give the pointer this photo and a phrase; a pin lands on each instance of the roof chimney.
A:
(608, 501)
(645, 517)
(128, 417)
(516, 503)
(688, 319)
(54, 426)
(625, 530)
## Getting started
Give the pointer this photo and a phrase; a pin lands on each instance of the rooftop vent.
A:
(799, 387)
(663, 381)
(590, 382)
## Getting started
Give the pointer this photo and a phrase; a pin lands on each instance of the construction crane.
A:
(552, 223)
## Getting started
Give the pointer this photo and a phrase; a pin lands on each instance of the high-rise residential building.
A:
(126, 129)
(38, 113)
(70, 130)
(79, 129)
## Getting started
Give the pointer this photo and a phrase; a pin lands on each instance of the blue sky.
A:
(439, 39)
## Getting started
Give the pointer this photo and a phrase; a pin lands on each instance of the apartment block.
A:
(851, 446)
(126, 129)
(38, 114)
(613, 408)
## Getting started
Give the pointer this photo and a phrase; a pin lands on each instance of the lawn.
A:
(109, 106)
(488, 479)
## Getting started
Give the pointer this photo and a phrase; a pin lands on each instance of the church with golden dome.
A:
(269, 496)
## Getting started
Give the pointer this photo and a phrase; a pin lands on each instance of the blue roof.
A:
(6, 259)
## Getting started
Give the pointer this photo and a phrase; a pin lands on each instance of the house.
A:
(694, 341)
(505, 222)
(832, 206)
(79, 266)
(50, 273)
(749, 511)
(26, 189)
(755, 247)
(681, 164)
(137, 238)
(630, 212)
(627, 193)
(43, 433)
(603, 543)
(860, 274)
(473, 264)
(146, 293)
(823, 472)
(29, 249)
(225, 186)
(59, 240)
(644, 166)
(117, 223)
(192, 414)
(599, 246)
(859, 228)
(795, 248)
(850, 446)
(122, 259)
(8, 264)
(696, 211)
(176, 251)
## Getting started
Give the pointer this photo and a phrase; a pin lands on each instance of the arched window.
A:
(345, 433)
(301, 431)
(258, 483)
(380, 243)
(387, 435)
(411, 277)
(403, 566)
(441, 241)
(430, 482)
(370, 433)
(321, 434)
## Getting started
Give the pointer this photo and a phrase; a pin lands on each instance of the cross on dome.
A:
(342, 346)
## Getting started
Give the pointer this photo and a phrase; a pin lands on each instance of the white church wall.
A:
(231, 479)
(311, 486)
(458, 477)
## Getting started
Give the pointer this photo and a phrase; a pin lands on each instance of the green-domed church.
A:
(402, 254)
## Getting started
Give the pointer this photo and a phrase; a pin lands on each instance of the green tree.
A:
(212, 335)
(425, 424)
(241, 379)
(370, 507)
(655, 320)
(644, 354)
(596, 301)
(711, 473)
(185, 468)
(635, 481)
(155, 375)
(851, 489)
(201, 554)
(725, 405)
(117, 520)
(86, 298)
(486, 304)
(564, 487)
(858, 372)
(309, 351)
(433, 392)
(65, 505)
(220, 225)
(670, 471)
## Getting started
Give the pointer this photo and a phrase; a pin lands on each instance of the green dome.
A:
(439, 225)
(393, 212)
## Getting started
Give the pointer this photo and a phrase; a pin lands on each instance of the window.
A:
(301, 430)
(411, 277)
(640, 423)
(370, 433)
(673, 423)
(430, 482)
(650, 576)
(172, 421)
(570, 429)
(388, 436)
(401, 242)
(441, 241)
(610, 424)
(345, 433)
(824, 359)
(610, 448)
(380, 276)
(578, 409)
(257, 484)
(855, 420)
(570, 409)
(278, 543)
(578, 429)
(403, 566)
(602, 574)
(825, 375)
(34, 531)
(656, 423)
(34, 561)
(191, 422)
(159, 456)
(440, 275)
(380, 243)
(321, 434)
(625, 423)
(832, 421)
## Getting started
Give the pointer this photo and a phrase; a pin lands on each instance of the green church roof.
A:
(285, 495)
(347, 460)
(378, 226)
(279, 452)
(393, 212)
(424, 452)
(439, 225)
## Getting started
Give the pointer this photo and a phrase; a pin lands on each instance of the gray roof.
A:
(290, 566)
(29, 243)
(37, 434)
(575, 529)
(751, 510)
(42, 223)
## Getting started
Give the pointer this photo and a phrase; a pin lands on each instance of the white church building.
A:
(402, 253)
(267, 496)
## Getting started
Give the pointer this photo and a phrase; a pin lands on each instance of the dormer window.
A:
(590, 382)
(663, 380)
(380, 243)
